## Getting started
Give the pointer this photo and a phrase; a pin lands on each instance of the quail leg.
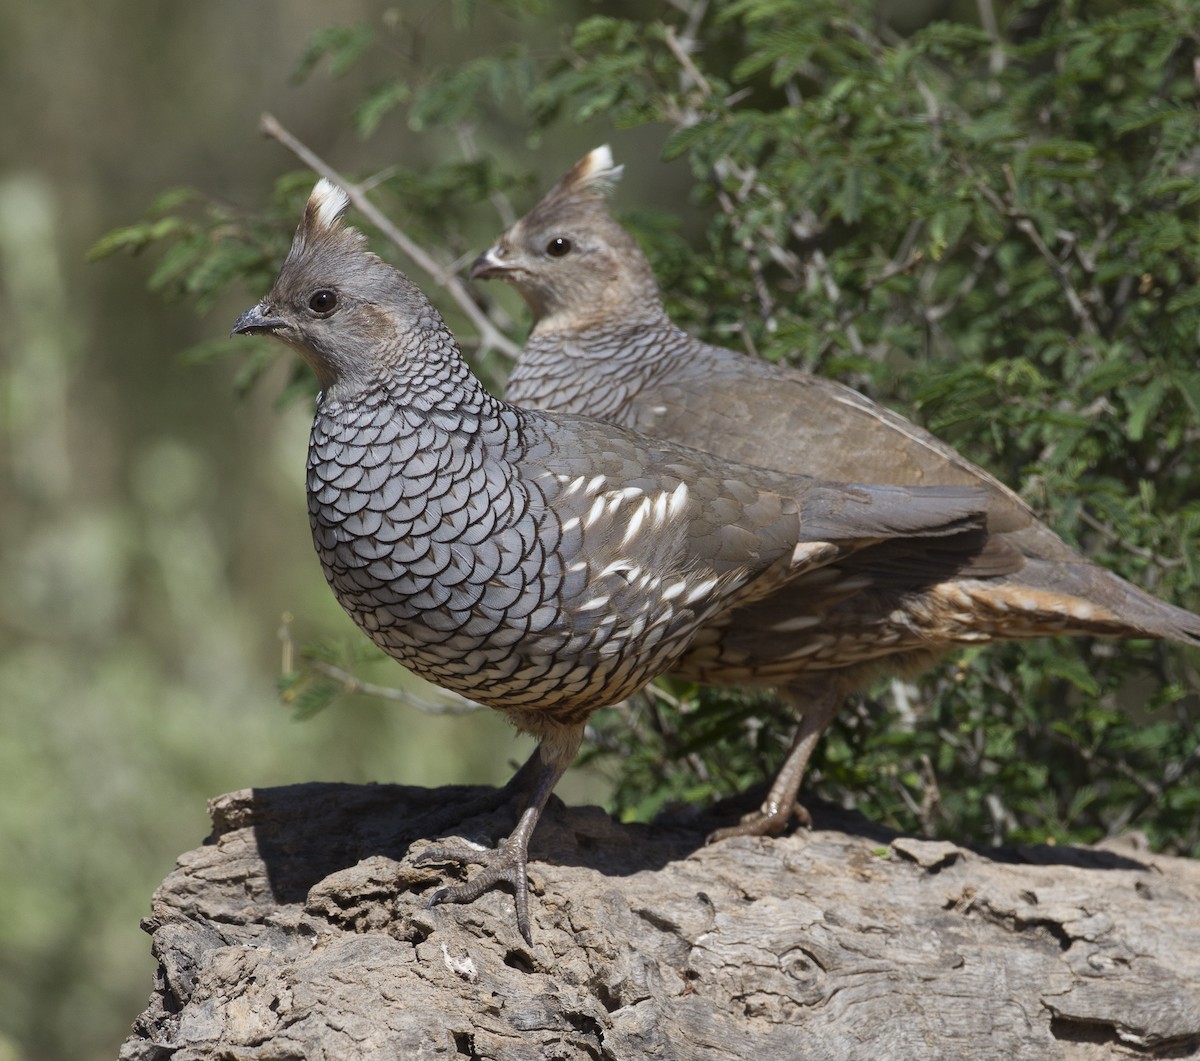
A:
(508, 861)
(780, 806)
(515, 790)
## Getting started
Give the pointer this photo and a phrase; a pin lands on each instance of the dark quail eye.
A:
(323, 302)
(558, 246)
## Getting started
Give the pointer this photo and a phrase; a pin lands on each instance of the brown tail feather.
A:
(1083, 598)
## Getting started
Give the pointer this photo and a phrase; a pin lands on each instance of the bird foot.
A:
(768, 820)
(507, 863)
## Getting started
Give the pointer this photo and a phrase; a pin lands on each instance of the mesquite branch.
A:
(490, 338)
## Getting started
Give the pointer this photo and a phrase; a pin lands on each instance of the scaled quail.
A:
(543, 564)
(603, 345)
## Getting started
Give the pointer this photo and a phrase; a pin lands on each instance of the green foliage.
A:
(343, 46)
(995, 233)
(206, 245)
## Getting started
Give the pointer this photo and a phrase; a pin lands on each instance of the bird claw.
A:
(464, 853)
(768, 820)
(507, 863)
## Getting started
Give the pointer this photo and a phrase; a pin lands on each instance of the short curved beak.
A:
(488, 265)
(257, 320)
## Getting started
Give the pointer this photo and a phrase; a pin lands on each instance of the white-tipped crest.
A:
(596, 172)
(327, 201)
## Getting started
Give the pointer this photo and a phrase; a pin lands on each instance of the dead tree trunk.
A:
(300, 930)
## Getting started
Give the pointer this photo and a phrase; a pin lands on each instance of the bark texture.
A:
(299, 930)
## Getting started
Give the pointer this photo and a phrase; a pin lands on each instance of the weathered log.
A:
(300, 930)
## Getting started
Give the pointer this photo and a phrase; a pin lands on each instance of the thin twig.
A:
(1003, 819)
(820, 265)
(907, 257)
(445, 703)
(466, 144)
(996, 56)
(766, 306)
(983, 255)
(1151, 793)
(1025, 224)
(695, 14)
(1146, 554)
(680, 46)
(906, 797)
(490, 338)
(659, 693)
(931, 798)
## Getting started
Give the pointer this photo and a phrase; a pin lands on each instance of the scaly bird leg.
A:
(508, 861)
(780, 806)
(516, 791)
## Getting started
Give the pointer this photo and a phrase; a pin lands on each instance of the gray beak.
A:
(488, 265)
(257, 321)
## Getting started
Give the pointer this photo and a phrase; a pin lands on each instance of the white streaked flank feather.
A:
(635, 521)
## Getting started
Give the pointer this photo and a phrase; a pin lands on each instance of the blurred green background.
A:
(154, 528)
(154, 522)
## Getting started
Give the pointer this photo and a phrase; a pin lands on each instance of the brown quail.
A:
(543, 564)
(603, 345)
